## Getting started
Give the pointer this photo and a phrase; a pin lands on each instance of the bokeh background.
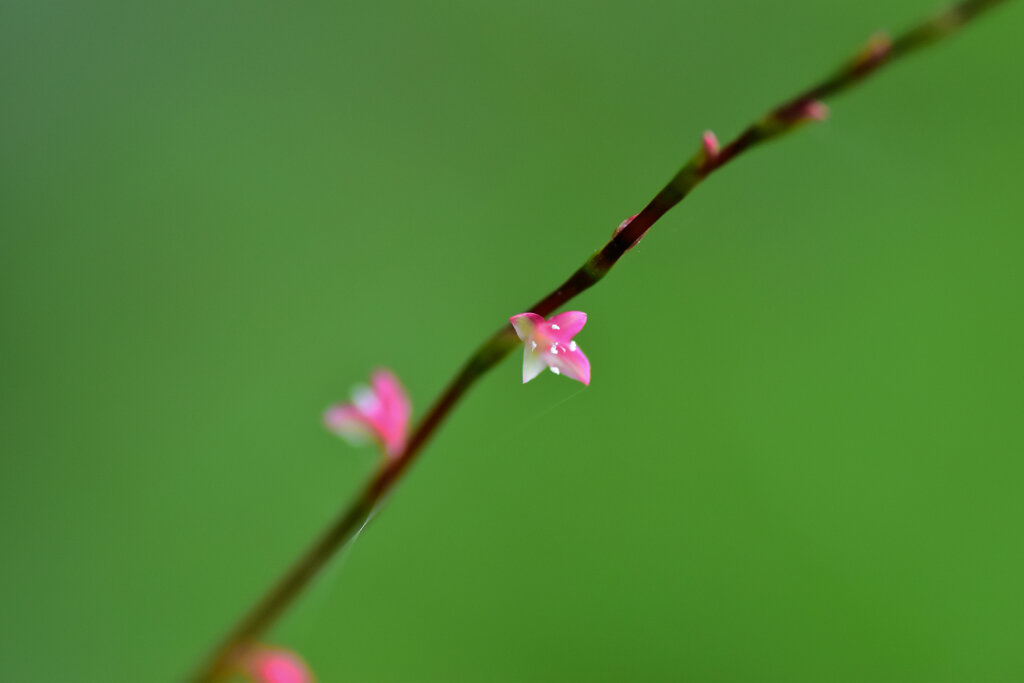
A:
(800, 458)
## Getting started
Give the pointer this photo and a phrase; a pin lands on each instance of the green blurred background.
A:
(799, 458)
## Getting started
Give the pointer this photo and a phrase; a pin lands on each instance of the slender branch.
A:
(785, 118)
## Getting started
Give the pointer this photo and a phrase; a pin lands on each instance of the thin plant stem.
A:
(783, 119)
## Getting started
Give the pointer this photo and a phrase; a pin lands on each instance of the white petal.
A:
(533, 365)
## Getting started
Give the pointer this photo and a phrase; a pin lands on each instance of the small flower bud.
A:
(623, 224)
(875, 51)
(710, 146)
(814, 110)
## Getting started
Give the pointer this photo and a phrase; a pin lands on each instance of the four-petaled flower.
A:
(549, 343)
(380, 413)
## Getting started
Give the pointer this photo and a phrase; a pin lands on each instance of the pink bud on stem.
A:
(814, 111)
(710, 146)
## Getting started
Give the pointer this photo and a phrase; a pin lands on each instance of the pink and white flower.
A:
(379, 413)
(264, 664)
(549, 343)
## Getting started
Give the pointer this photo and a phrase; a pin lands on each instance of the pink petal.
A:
(525, 324)
(366, 402)
(283, 669)
(393, 422)
(569, 361)
(348, 422)
(564, 326)
(272, 665)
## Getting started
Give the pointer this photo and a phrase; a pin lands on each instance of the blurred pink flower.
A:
(379, 413)
(264, 664)
(549, 343)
